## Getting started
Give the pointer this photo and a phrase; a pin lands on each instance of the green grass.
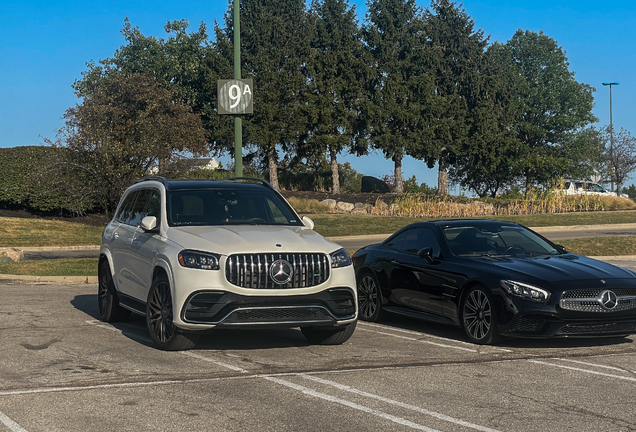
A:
(57, 267)
(332, 225)
(38, 232)
(601, 246)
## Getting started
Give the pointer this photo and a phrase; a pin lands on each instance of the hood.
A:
(559, 268)
(230, 239)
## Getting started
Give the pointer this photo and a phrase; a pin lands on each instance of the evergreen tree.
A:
(458, 49)
(399, 87)
(336, 72)
(274, 53)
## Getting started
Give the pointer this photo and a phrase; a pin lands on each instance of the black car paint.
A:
(434, 291)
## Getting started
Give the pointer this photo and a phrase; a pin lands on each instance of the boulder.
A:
(329, 202)
(360, 205)
(13, 253)
(345, 206)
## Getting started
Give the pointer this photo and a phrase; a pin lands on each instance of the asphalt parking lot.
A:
(64, 370)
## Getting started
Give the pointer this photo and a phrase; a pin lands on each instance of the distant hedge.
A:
(25, 180)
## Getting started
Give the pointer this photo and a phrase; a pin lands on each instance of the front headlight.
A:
(340, 258)
(526, 291)
(199, 260)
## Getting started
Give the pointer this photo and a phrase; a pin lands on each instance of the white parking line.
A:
(419, 340)
(378, 413)
(100, 324)
(591, 364)
(13, 426)
(428, 335)
(584, 370)
(207, 359)
(399, 404)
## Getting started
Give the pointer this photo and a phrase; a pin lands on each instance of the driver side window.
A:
(419, 238)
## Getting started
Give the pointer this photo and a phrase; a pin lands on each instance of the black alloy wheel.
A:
(369, 298)
(109, 308)
(478, 316)
(159, 314)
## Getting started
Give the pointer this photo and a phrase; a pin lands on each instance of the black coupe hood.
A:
(560, 268)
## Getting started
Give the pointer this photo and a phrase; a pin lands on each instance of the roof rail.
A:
(253, 179)
(152, 178)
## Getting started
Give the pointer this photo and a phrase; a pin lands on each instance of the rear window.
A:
(228, 207)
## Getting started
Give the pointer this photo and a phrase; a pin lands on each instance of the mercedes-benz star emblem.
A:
(281, 272)
(608, 299)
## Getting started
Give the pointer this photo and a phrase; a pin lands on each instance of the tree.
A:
(187, 64)
(274, 53)
(336, 73)
(399, 87)
(486, 161)
(620, 154)
(554, 104)
(457, 55)
(125, 125)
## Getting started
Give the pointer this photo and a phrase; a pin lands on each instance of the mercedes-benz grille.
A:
(255, 270)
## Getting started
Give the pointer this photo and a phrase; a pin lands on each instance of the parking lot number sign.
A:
(235, 96)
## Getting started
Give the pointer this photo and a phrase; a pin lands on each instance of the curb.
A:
(57, 280)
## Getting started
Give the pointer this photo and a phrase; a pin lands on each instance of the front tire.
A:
(108, 302)
(329, 335)
(369, 298)
(159, 314)
(479, 316)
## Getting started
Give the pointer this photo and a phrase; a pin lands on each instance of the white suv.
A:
(192, 255)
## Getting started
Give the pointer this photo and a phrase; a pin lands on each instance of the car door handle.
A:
(116, 235)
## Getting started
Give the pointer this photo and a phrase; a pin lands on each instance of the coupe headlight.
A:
(525, 291)
(340, 258)
(199, 260)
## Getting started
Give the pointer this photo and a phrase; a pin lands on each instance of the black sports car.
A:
(493, 278)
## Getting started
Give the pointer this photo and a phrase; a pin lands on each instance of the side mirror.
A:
(562, 248)
(308, 222)
(426, 254)
(149, 223)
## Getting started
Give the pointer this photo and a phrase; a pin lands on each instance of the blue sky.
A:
(44, 46)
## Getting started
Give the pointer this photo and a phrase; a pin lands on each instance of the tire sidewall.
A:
(378, 310)
(492, 335)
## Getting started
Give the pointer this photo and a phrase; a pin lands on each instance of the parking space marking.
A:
(419, 340)
(399, 404)
(11, 424)
(585, 370)
(378, 413)
(216, 362)
(428, 335)
(591, 364)
(106, 326)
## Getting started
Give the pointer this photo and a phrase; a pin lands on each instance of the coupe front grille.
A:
(528, 324)
(588, 300)
(277, 315)
(594, 329)
(253, 270)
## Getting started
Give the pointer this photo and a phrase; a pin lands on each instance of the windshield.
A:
(496, 240)
(228, 207)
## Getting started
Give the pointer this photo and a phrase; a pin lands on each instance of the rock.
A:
(329, 202)
(345, 206)
(13, 253)
(5, 259)
(359, 211)
(360, 205)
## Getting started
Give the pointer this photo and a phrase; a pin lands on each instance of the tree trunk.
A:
(335, 177)
(442, 178)
(399, 184)
(273, 169)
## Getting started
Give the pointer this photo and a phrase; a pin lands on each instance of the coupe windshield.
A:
(494, 240)
(228, 207)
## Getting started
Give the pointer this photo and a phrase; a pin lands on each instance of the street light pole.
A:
(238, 122)
(610, 84)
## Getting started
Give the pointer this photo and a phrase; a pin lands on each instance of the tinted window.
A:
(139, 207)
(228, 207)
(419, 238)
(397, 241)
(124, 214)
(496, 240)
